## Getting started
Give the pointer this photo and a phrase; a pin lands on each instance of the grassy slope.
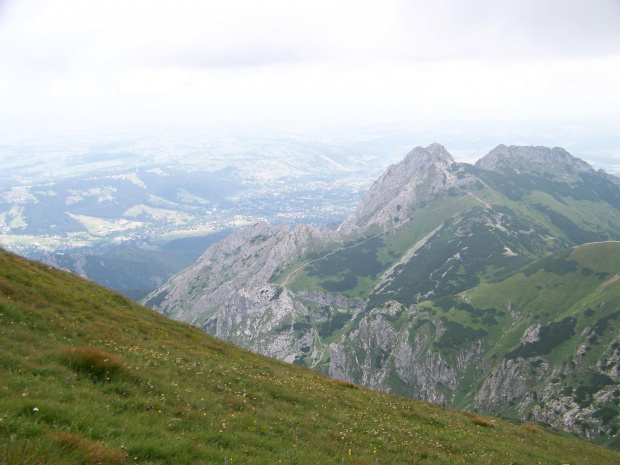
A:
(89, 377)
(391, 247)
(569, 214)
(581, 284)
(554, 288)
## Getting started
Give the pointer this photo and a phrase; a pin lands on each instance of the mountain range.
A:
(491, 287)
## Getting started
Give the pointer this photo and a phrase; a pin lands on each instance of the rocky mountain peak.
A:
(440, 153)
(421, 158)
(245, 259)
(532, 160)
(387, 200)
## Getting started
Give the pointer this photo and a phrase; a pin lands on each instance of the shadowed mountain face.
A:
(467, 285)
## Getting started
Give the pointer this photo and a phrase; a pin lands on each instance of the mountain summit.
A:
(538, 159)
(466, 285)
(422, 174)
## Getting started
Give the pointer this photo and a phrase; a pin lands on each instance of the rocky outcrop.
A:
(240, 264)
(507, 381)
(401, 189)
(393, 349)
(531, 335)
(228, 293)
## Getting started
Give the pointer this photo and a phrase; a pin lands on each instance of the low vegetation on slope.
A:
(89, 377)
(547, 338)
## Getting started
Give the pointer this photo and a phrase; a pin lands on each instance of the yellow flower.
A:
(349, 451)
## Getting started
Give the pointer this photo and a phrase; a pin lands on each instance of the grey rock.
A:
(534, 160)
(397, 193)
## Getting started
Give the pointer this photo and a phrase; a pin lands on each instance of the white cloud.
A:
(70, 62)
(74, 89)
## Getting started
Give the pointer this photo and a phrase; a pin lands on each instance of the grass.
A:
(485, 422)
(389, 248)
(93, 362)
(555, 296)
(88, 377)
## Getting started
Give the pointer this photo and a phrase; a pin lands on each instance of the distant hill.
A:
(466, 285)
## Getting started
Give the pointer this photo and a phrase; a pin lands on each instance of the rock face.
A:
(228, 293)
(245, 260)
(382, 348)
(421, 175)
(419, 291)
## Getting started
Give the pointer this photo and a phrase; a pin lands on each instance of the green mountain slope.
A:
(384, 301)
(485, 224)
(542, 344)
(89, 377)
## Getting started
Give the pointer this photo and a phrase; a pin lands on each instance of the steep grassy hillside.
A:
(88, 377)
(580, 286)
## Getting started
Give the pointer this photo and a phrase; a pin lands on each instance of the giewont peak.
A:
(423, 173)
(433, 154)
(440, 152)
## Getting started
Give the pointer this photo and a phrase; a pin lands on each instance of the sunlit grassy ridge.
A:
(581, 283)
(87, 376)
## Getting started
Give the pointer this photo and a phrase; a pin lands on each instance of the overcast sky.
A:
(92, 65)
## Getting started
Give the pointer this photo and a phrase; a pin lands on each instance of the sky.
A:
(537, 65)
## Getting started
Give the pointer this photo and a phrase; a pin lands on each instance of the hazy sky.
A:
(89, 64)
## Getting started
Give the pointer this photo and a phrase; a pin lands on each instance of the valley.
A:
(88, 205)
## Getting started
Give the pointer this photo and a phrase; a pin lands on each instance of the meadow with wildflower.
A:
(89, 377)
